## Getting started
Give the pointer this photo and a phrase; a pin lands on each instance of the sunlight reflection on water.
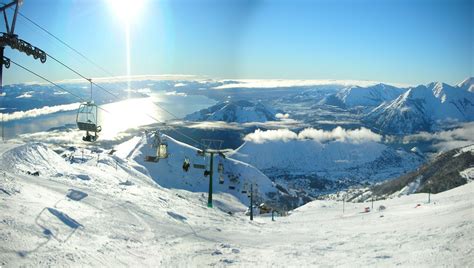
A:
(132, 113)
(122, 115)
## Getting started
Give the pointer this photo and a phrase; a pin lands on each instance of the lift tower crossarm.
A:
(10, 39)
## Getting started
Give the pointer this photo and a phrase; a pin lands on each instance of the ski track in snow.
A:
(143, 224)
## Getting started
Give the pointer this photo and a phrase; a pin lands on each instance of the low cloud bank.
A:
(175, 93)
(39, 111)
(448, 139)
(25, 95)
(338, 134)
(282, 116)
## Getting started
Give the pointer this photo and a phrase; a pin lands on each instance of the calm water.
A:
(120, 116)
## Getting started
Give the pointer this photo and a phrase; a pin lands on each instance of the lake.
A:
(118, 116)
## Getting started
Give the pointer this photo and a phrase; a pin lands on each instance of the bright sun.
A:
(127, 10)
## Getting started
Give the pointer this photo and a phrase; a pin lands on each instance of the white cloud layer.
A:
(448, 139)
(25, 95)
(175, 93)
(40, 111)
(276, 83)
(282, 116)
(338, 134)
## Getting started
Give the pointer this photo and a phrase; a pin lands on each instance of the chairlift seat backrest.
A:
(86, 118)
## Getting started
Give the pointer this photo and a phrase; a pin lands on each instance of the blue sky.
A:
(399, 41)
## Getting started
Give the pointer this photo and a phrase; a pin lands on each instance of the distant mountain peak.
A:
(239, 111)
(467, 84)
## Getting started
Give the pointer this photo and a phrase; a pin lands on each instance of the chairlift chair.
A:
(186, 164)
(86, 120)
(220, 170)
(245, 188)
(161, 146)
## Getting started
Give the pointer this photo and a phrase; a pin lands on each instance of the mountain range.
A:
(241, 111)
(424, 108)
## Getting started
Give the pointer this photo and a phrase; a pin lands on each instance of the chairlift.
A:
(186, 164)
(161, 146)
(86, 120)
(245, 188)
(220, 170)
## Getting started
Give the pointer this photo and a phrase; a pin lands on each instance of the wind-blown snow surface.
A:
(106, 222)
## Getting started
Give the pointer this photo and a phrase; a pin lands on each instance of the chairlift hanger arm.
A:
(10, 28)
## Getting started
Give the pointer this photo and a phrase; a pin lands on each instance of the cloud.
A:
(25, 95)
(260, 136)
(447, 139)
(60, 93)
(338, 134)
(40, 111)
(276, 83)
(174, 93)
(282, 116)
(145, 90)
(213, 125)
(282, 123)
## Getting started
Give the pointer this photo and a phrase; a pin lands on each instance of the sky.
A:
(395, 41)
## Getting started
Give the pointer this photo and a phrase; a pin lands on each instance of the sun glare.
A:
(127, 10)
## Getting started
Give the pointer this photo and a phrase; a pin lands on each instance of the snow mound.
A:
(32, 157)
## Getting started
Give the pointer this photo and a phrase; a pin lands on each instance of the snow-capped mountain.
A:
(364, 161)
(363, 96)
(169, 172)
(241, 111)
(423, 108)
(467, 84)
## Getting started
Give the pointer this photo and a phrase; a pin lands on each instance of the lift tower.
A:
(10, 39)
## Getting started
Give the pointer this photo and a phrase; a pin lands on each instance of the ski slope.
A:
(119, 216)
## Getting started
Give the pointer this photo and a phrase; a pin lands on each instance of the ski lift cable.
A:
(79, 74)
(84, 100)
(89, 80)
(45, 79)
(86, 58)
(65, 44)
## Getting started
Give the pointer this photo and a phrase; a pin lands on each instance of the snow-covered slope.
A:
(331, 160)
(448, 170)
(423, 108)
(467, 84)
(363, 96)
(235, 111)
(169, 173)
(63, 221)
